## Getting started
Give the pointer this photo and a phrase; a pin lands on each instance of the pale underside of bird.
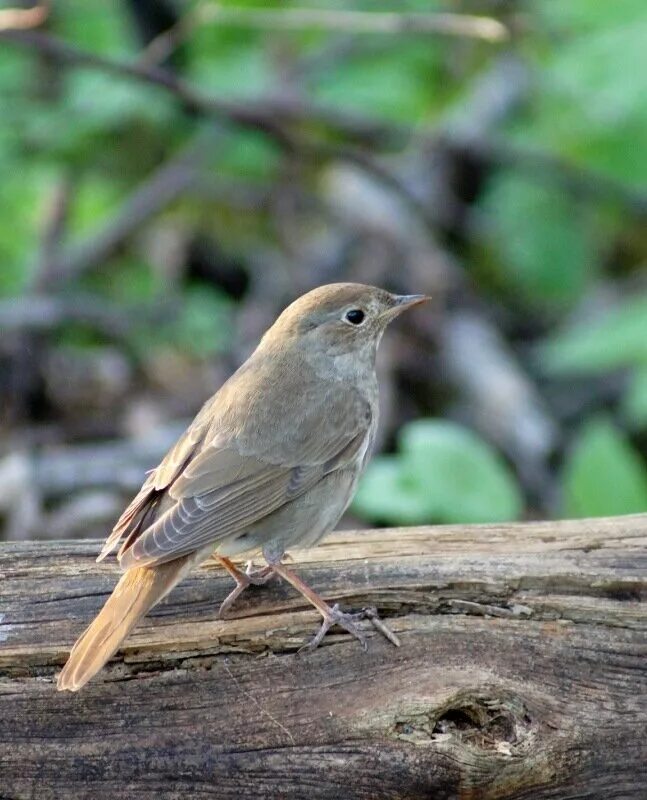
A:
(270, 462)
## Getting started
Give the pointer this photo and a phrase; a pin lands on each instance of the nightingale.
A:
(270, 462)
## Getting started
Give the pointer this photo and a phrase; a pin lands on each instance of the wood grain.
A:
(523, 673)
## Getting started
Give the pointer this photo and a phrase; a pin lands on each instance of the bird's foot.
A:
(347, 621)
(250, 577)
(334, 616)
(258, 577)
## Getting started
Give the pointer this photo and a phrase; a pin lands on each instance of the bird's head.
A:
(340, 319)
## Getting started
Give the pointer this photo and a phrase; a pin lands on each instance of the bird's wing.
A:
(221, 492)
(145, 506)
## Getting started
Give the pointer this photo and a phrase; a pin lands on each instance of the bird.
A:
(270, 462)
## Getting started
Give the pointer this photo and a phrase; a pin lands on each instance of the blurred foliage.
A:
(603, 474)
(618, 339)
(590, 105)
(546, 251)
(634, 402)
(538, 252)
(442, 473)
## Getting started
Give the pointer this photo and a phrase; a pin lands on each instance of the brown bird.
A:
(270, 462)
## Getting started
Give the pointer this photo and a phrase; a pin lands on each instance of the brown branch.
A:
(274, 116)
(347, 21)
(24, 18)
(37, 313)
(269, 116)
(336, 21)
(168, 183)
(544, 166)
(54, 226)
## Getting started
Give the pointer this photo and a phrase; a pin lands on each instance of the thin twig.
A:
(352, 21)
(271, 117)
(376, 622)
(54, 226)
(336, 21)
(165, 185)
(543, 166)
(159, 49)
(37, 313)
(24, 18)
(267, 115)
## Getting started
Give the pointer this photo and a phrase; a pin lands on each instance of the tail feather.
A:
(138, 590)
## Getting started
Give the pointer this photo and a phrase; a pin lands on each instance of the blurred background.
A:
(174, 173)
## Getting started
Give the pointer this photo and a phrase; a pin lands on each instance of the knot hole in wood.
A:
(485, 720)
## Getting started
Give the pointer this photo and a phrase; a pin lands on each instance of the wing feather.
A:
(206, 512)
(146, 503)
(224, 476)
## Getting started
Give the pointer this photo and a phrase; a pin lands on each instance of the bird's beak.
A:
(401, 302)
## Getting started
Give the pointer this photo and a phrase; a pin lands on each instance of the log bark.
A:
(522, 673)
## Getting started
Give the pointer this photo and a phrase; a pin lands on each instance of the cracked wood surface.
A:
(522, 673)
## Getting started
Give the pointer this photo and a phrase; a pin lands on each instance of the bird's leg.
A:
(333, 615)
(258, 576)
(243, 580)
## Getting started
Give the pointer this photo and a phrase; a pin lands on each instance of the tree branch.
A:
(347, 21)
(166, 184)
(544, 166)
(269, 116)
(37, 313)
(274, 116)
(335, 21)
(24, 18)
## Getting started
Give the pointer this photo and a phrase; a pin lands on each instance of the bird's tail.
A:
(138, 590)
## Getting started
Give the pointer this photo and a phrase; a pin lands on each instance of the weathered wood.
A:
(522, 674)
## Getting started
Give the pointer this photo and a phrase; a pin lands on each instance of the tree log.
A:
(522, 673)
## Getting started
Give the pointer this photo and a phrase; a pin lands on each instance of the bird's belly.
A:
(300, 523)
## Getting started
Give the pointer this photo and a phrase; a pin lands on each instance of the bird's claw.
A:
(257, 577)
(347, 620)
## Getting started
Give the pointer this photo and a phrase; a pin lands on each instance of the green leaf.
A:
(544, 250)
(100, 102)
(99, 27)
(618, 340)
(230, 63)
(634, 402)
(129, 281)
(384, 495)
(461, 476)
(401, 84)
(96, 197)
(248, 155)
(589, 104)
(583, 16)
(444, 473)
(604, 475)
(602, 74)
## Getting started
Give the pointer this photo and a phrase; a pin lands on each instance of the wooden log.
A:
(522, 673)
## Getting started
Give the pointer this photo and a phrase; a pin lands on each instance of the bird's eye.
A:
(355, 316)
